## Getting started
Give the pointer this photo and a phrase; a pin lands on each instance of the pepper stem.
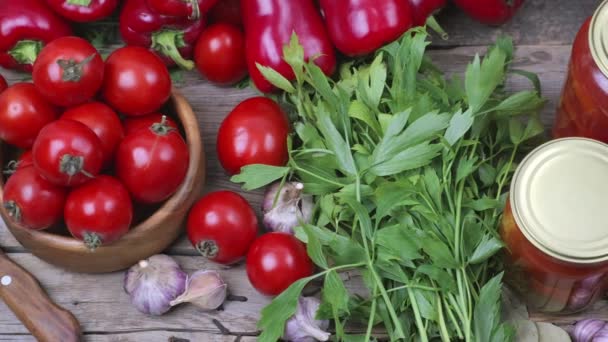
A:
(432, 23)
(72, 70)
(26, 51)
(91, 240)
(168, 43)
(84, 3)
(13, 210)
(208, 248)
(161, 128)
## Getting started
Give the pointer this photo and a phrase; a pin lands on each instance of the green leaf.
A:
(362, 215)
(534, 128)
(321, 84)
(433, 186)
(390, 195)
(485, 250)
(482, 204)
(358, 110)
(486, 314)
(534, 79)
(438, 251)
(399, 241)
(372, 86)
(425, 305)
(275, 78)
(336, 143)
(314, 249)
(258, 175)
(293, 53)
(459, 126)
(487, 174)
(276, 314)
(465, 168)
(439, 275)
(516, 131)
(482, 78)
(336, 295)
(408, 159)
(520, 103)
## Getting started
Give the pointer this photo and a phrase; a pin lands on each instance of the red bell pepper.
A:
(172, 38)
(358, 27)
(83, 11)
(27, 25)
(269, 25)
(193, 9)
(490, 12)
(423, 9)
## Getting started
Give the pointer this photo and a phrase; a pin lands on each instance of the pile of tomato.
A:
(92, 143)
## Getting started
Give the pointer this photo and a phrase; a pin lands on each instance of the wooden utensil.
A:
(44, 319)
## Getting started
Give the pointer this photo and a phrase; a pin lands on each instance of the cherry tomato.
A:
(33, 201)
(133, 124)
(226, 11)
(220, 54)
(102, 120)
(23, 113)
(67, 153)
(68, 71)
(3, 84)
(222, 226)
(255, 132)
(99, 212)
(137, 81)
(275, 261)
(152, 163)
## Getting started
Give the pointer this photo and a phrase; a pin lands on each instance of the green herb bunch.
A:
(410, 172)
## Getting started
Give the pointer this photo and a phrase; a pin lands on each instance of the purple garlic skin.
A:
(205, 289)
(588, 329)
(302, 326)
(153, 283)
(292, 207)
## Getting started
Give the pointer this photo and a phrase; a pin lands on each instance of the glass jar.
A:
(555, 226)
(583, 108)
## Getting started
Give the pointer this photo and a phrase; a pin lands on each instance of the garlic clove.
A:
(302, 326)
(290, 209)
(585, 330)
(205, 289)
(153, 283)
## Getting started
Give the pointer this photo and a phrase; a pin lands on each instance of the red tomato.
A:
(490, 12)
(3, 84)
(67, 153)
(99, 212)
(255, 132)
(33, 201)
(133, 124)
(23, 113)
(68, 71)
(102, 120)
(137, 81)
(220, 54)
(152, 163)
(275, 261)
(222, 226)
(226, 11)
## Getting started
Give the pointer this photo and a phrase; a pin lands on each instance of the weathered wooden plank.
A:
(148, 336)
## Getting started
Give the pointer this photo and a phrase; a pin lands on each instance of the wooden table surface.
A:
(543, 32)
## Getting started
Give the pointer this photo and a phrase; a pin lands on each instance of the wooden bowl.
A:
(149, 237)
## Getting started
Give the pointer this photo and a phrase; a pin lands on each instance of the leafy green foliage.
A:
(410, 172)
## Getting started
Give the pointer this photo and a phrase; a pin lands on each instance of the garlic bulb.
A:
(586, 330)
(302, 326)
(153, 283)
(205, 289)
(291, 207)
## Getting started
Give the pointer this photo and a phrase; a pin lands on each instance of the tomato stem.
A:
(85, 3)
(196, 10)
(72, 70)
(208, 248)
(26, 51)
(13, 210)
(11, 167)
(168, 43)
(91, 240)
(162, 127)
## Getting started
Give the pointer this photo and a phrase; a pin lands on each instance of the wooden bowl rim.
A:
(193, 139)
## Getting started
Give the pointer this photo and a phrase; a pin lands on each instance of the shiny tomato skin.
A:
(3, 84)
(102, 207)
(490, 12)
(103, 121)
(39, 202)
(23, 113)
(67, 139)
(152, 165)
(222, 226)
(25, 159)
(136, 82)
(220, 54)
(275, 261)
(135, 123)
(226, 11)
(68, 71)
(255, 132)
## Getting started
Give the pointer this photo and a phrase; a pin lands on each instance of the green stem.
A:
(417, 317)
(370, 322)
(312, 174)
(432, 23)
(26, 51)
(420, 287)
(84, 3)
(443, 329)
(453, 319)
(168, 42)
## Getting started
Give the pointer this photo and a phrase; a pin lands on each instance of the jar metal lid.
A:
(598, 37)
(559, 199)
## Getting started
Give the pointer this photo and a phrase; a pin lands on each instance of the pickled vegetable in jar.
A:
(583, 108)
(555, 226)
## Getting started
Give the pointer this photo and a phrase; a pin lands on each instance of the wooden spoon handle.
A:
(44, 319)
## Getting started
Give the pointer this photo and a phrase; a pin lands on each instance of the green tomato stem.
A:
(26, 51)
(84, 3)
(168, 42)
